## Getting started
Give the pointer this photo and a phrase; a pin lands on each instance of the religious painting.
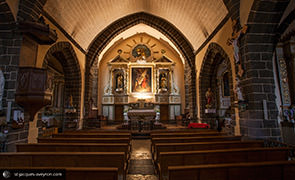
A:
(141, 51)
(141, 79)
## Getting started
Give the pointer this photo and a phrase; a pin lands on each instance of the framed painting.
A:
(141, 79)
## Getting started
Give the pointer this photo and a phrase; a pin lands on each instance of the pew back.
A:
(74, 147)
(187, 134)
(241, 171)
(83, 140)
(170, 147)
(92, 135)
(193, 139)
(65, 159)
(179, 158)
(89, 173)
(186, 130)
(89, 131)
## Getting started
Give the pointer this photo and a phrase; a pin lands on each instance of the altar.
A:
(141, 87)
(144, 114)
(141, 119)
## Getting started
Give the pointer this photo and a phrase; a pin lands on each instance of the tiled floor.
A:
(141, 149)
(141, 166)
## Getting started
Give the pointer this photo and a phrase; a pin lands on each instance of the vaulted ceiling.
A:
(83, 20)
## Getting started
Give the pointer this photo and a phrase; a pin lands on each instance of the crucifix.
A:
(234, 41)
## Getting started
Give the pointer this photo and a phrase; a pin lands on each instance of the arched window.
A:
(226, 90)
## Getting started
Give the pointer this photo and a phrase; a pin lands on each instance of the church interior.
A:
(147, 89)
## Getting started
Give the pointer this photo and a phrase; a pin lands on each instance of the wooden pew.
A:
(89, 131)
(65, 159)
(182, 158)
(75, 147)
(89, 173)
(197, 146)
(186, 134)
(92, 135)
(83, 140)
(277, 170)
(193, 139)
(183, 130)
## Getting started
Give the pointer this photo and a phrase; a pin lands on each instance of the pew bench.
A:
(66, 159)
(187, 134)
(277, 170)
(83, 140)
(72, 173)
(92, 135)
(193, 139)
(183, 131)
(89, 131)
(75, 147)
(197, 146)
(182, 158)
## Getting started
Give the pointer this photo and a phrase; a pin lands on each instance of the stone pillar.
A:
(258, 85)
(190, 89)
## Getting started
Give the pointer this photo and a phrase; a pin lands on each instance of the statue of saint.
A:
(209, 97)
(71, 102)
(238, 91)
(2, 82)
(120, 83)
(163, 81)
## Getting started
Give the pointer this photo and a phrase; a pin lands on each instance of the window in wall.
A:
(226, 90)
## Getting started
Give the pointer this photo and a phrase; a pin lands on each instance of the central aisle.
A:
(141, 166)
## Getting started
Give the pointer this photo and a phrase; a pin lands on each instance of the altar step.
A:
(91, 123)
(140, 135)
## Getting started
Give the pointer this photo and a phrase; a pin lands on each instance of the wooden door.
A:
(164, 113)
(119, 117)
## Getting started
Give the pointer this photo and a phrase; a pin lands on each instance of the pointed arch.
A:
(65, 54)
(207, 79)
(160, 24)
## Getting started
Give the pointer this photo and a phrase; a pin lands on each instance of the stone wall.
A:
(10, 47)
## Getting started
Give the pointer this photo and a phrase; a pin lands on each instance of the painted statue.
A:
(163, 81)
(209, 97)
(120, 83)
(234, 41)
(238, 91)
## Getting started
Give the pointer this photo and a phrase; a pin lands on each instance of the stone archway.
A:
(162, 25)
(30, 11)
(65, 54)
(214, 56)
